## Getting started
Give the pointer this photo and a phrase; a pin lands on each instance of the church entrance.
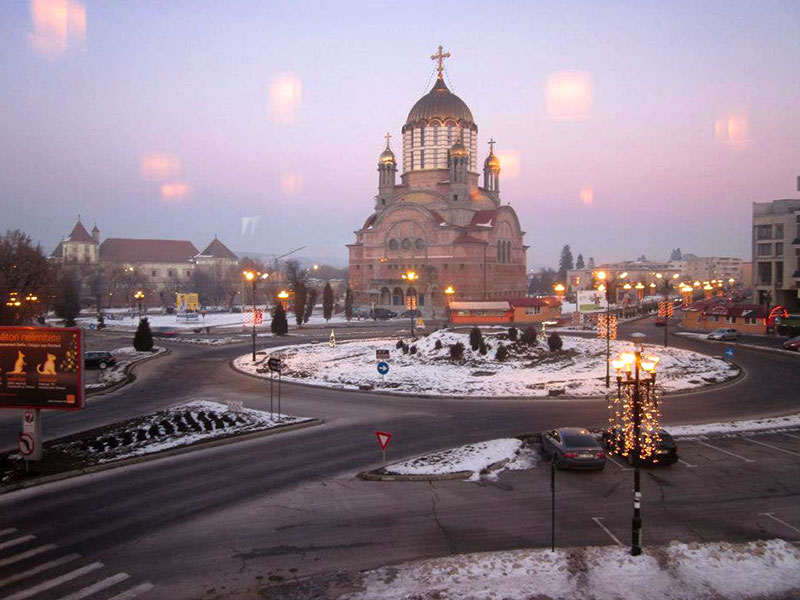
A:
(398, 298)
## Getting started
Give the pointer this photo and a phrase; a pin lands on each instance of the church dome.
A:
(387, 157)
(458, 149)
(441, 104)
(492, 162)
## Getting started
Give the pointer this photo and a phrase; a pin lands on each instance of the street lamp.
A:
(411, 277)
(449, 291)
(253, 277)
(139, 295)
(635, 421)
(559, 289)
(605, 286)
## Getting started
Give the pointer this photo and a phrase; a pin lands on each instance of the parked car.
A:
(411, 313)
(792, 344)
(384, 313)
(96, 359)
(573, 448)
(164, 332)
(661, 321)
(724, 334)
(666, 450)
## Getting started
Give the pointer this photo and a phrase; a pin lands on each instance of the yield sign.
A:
(383, 438)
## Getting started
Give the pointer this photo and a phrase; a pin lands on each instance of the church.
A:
(438, 221)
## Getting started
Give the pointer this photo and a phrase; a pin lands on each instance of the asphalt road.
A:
(230, 518)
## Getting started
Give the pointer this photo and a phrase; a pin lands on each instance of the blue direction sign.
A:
(729, 353)
(383, 368)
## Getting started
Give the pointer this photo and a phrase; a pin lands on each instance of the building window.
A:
(764, 249)
(171, 273)
(750, 320)
(406, 244)
(435, 134)
(461, 266)
(779, 231)
(764, 273)
(419, 244)
(422, 159)
(763, 232)
(153, 273)
(730, 319)
(779, 249)
(533, 310)
(188, 273)
(779, 274)
(455, 197)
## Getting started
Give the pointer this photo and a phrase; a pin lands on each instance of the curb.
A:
(130, 377)
(4, 489)
(376, 475)
(780, 351)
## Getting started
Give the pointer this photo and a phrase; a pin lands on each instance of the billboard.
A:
(184, 302)
(41, 367)
(591, 300)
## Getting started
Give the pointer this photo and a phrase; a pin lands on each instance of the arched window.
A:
(398, 299)
(386, 296)
(406, 244)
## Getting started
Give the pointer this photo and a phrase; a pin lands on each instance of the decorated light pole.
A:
(411, 300)
(448, 292)
(608, 325)
(634, 421)
(139, 295)
(253, 277)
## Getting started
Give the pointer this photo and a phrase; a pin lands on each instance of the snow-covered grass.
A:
(127, 322)
(578, 369)
(126, 357)
(181, 425)
(678, 571)
(771, 424)
(205, 341)
(471, 457)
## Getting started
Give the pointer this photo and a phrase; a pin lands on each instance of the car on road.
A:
(792, 344)
(97, 359)
(164, 332)
(661, 321)
(573, 448)
(411, 313)
(384, 313)
(724, 334)
(666, 452)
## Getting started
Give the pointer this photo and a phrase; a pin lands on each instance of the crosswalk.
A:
(43, 571)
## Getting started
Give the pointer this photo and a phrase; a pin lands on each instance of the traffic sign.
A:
(728, 352)
(332, 340)
(274, 364)
(383, 438)
(29, 416)
(382, 354)
(383, 368)
(26, 444)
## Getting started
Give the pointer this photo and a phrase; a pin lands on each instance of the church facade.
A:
(438, 221)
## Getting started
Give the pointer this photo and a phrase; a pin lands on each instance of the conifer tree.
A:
(310, 304)
(579, 264)
(143, 338)
(68, 304)
(299, 302)
(348, 304)
(279, 325)
(327, 301)
(565, 263)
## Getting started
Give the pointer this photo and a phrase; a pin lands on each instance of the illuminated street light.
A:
(139, 295)
(448, 292)
(253, 277)
(411, 301)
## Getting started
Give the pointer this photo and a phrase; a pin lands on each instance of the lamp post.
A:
(632, 440)
(139, 295)
(668, 310)
(449, 291)
(605, 286)
(253, 277)
(559, 289)
(411, 277)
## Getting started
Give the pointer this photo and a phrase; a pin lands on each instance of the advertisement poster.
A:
(591, 300)
(41, 367)
(184, 302)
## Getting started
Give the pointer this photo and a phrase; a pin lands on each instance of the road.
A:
(237, 517)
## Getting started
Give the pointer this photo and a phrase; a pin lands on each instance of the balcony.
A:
(796, 241)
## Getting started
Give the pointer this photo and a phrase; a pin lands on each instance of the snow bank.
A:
(787, 422)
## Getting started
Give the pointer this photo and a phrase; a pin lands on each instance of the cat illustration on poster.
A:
(49, 366)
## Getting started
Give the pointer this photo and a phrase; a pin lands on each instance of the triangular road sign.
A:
(383, 438)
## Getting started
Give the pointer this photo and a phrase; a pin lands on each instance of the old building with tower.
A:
(438, 220)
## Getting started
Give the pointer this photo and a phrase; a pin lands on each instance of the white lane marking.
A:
(771, 446)
(725, 451)
(604, 528)
(38, 569)
(686, 463)
(96, 587)
(781, 521)
(51, 583)
(23, 555)
(134, 591)
(8, 531)
(17, 541)
(622, 467)
(792, 435)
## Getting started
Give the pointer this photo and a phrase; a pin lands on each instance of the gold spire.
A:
(439, 57)
(388, 137)
(491, 146)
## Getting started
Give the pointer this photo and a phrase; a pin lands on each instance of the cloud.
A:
(285, 95)
(155, 166)
(568, 96)
(57, 25)
(291, 184)
(733, 128)
(175, 192)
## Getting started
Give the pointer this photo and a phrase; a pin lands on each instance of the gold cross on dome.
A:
(491, 146)
(388, 137)
(440, 56)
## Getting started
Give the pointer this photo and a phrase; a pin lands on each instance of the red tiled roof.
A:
(515, 302)
(79, 234)
(482, 217)
(438, 218)
(217, 249)
(59, 251)
(463, 238)
(125, 250)
(370, 221)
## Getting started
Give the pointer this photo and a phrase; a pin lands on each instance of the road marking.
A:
(781, 521)
(604, 528)
(687, 464)
(622, 467)
(725, 451)
(17, 541)
(36, 570)
(771, 446)
(792, 435)
(23, 555)
(51, 583)
(96, 587)
(8, 531)
(134, 591)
